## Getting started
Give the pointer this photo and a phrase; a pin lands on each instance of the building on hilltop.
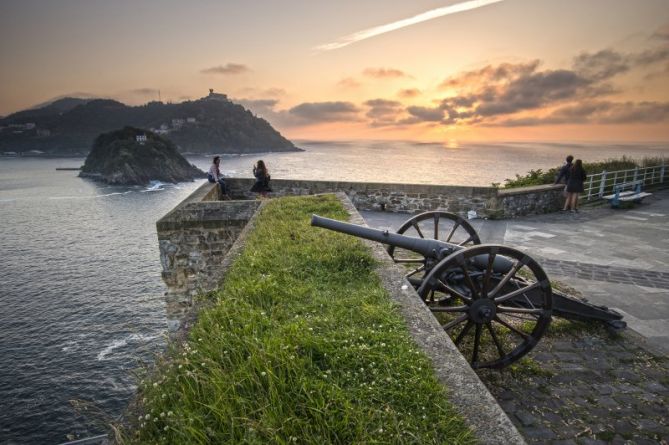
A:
(217, 96)
(141, 138)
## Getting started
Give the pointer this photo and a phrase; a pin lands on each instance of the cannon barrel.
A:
(426, 247)
(429, 248)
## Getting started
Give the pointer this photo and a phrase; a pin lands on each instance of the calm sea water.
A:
(80, 288)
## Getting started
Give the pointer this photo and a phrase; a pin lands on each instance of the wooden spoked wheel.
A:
(438, 225)
(494, 301)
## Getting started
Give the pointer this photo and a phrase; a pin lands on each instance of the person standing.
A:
(262, 176)
(563, 174)
(214, 175)
(575, 182)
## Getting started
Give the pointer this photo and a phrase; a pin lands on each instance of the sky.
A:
(425, 70)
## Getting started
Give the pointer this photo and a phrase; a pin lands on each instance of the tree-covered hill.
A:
(212, 124)
(119, 157)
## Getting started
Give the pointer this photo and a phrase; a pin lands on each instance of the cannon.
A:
(494, 301)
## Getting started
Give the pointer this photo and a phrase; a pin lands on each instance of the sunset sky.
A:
(429, 70)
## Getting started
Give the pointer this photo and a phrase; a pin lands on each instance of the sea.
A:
(81, 297)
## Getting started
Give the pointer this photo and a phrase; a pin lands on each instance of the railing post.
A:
(636, 173)
(590, 187)
(602, 184)
(615, 180)
(662, 170)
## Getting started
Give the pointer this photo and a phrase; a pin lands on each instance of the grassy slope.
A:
(302, 345)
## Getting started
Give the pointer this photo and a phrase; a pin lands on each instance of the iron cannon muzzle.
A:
(429, 248)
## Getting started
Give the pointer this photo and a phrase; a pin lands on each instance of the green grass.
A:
(300, 345)
(539, 177)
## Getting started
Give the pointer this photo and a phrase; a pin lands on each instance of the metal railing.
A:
(600, 184)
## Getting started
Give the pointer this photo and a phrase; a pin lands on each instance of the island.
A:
(213, 124)
(133, 156)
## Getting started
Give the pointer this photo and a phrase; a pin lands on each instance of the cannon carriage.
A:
(494, 301)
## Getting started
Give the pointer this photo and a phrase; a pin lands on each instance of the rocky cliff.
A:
(132, 156)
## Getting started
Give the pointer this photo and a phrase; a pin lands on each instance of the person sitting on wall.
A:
(214, 175)
(262, 179)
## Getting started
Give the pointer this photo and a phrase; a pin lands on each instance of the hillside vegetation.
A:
(539, 177)
(117, 158)
(207, 125)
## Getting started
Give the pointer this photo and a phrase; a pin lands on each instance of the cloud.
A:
(230, 68)
(424, 114)
(348, 82)
(271, 92)
(662, 33)
(317, 112)
(408, 93)
(598, 112)
(601, 65)
(153, 92)
(384, 73)
(383, 112)
(425, 16)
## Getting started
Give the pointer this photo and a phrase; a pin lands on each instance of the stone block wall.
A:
(532, 200)
(193, 239)
(410, 198)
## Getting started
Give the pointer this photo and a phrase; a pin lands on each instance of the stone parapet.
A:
(409, 198)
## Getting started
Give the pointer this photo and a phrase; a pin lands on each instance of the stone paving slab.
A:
(556, 397)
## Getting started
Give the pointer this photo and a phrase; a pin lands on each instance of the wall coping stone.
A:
(529, 189)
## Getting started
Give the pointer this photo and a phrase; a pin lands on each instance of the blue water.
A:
(80, 288)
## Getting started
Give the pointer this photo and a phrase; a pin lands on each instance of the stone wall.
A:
(193, 239)
(409, 198)
(532, 200)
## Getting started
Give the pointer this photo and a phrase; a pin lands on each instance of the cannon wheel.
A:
(494, 317)
(437, 225)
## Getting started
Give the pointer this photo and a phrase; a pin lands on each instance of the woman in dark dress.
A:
(577, 176)
(262, 179)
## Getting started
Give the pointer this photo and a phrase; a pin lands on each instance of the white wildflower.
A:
(147, 417)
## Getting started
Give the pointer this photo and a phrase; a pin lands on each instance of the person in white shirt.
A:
(214, 175)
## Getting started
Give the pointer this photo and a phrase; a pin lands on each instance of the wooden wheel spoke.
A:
(512, 328)
(414, 272)
(409, 260)
(519, 310)
(463, 332)
(454, 292)
(516, 293)
(466, 241)
(470, 282)
(477, 343)
(436, 226)
(452, 232)
(488, 273)
(514, 269)
(495, 340)
(455, 322)
(415, 226)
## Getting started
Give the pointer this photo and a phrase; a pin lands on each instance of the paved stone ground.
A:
(581, 385)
